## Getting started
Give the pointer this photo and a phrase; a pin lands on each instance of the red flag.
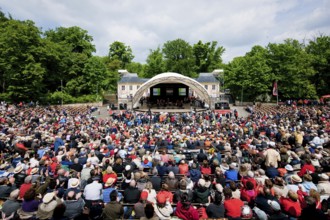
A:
(275, 91)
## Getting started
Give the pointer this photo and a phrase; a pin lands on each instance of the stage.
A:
(171, 109)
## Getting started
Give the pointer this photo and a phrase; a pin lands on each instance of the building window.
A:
(131, 87)
(206, 87)
(122, 87)
(213, 87)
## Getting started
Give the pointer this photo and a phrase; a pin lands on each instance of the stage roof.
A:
(170, 77)
(134, 78)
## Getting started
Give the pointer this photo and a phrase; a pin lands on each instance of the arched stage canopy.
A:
(172, 78)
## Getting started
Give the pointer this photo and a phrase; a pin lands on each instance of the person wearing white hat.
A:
(201, 193)
(290, 172)
(323, 186)
(109, 186)
(276, 210)
(295, 184)
(46, 208)
(19, 175)
(74, 183)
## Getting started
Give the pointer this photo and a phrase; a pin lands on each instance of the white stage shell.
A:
(170, 77)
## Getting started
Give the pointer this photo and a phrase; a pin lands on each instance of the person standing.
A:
(272, 156)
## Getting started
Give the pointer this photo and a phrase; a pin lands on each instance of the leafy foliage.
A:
(119, 51)
(319, 49)
(291, 66)
(207, 56)
(59, 64)
(155, 63)
(179, 57)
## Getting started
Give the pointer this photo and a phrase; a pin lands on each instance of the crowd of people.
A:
(58, 164)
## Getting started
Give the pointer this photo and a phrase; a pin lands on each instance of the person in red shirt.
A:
(25, 186)
(184, 209)
(248, 192)
(109, 173)
(205, 168)
(291, 205)
(232, 206)
(166, 193)
(307, 168)
(183, 167)
(53, 164)
(249, 178)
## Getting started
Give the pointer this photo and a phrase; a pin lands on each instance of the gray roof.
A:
(206, 77)
(132, 78)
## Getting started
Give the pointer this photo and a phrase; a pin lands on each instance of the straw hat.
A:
(224, 166)
(48, 198)
(3, 166)
(296, 179)
(324, 176)
(74, 183)
(34, 170)
(110, 182)
(18, 169)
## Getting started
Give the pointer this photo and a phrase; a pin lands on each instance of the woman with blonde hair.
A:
(316, 195)
(151, 192)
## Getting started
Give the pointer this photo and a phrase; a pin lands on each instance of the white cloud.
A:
(146, 24)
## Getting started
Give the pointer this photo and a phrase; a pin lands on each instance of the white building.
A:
(130, 84)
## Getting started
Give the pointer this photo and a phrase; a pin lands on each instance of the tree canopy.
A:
(60, 64)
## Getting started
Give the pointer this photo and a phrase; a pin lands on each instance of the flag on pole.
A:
(275, 91)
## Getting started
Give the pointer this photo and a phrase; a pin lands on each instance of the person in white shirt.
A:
(93, 159)
(295, 184)
(122, 153)
(93, 191)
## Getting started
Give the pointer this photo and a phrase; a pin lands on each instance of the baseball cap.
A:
(144, 195)
(275, 206)
(161, 198)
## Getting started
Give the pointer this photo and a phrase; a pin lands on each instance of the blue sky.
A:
(237, 25)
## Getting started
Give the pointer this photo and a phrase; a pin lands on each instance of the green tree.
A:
(69, 51)
(112, 66)
(292, 68)
(21, 60)
(93, 79)
(73, 38)
(235, 74)
(134, 67)
(207, 56)
(249, 75)
(319, 48)
(155, 63)
(179, 57)
(119, 51)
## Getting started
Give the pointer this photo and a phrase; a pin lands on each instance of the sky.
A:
(144, 25)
